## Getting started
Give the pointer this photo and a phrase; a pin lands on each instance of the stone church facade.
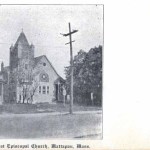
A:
(29, 79)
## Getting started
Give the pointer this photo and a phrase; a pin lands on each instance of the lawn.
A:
(43, 108)
(59, 107)
(45, 125)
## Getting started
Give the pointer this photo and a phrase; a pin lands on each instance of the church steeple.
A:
(21, 51)
(22, 39)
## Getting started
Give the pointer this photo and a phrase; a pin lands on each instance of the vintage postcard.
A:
(51, 75)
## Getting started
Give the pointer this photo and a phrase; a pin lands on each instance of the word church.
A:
(29, 79)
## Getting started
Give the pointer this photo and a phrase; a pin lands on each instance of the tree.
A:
(91, 74)
(77, 63)
(29, 87)
(25, 79)
(87, 76)
(32, 90)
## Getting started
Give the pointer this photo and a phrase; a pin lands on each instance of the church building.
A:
(29, 79)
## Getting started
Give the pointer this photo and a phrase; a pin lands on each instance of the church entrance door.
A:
(56, 91)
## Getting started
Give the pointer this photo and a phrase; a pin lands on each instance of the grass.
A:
(59, 107)
(42, 108)
(49, 126)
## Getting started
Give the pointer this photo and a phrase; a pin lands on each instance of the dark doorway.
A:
(56, 91)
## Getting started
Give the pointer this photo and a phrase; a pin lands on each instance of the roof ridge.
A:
(39, 56)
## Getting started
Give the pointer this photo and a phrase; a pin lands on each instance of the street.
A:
(51, 125)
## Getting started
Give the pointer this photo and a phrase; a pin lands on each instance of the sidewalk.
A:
(50, 113)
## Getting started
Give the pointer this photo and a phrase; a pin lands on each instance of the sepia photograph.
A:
(51, 71)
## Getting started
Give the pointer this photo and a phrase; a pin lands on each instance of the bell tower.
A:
(21, 63)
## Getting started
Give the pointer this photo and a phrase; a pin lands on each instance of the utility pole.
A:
(71, 65)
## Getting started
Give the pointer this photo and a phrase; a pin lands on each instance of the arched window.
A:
(40, 89)
(44, 90)
(47, 89)
(44, 77)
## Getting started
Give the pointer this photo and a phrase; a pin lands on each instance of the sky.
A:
(42, 25)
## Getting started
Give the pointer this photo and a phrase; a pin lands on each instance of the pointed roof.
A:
(22, 40)
(37, 60)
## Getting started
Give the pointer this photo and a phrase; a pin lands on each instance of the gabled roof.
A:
(37, 60)
(59, 79)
